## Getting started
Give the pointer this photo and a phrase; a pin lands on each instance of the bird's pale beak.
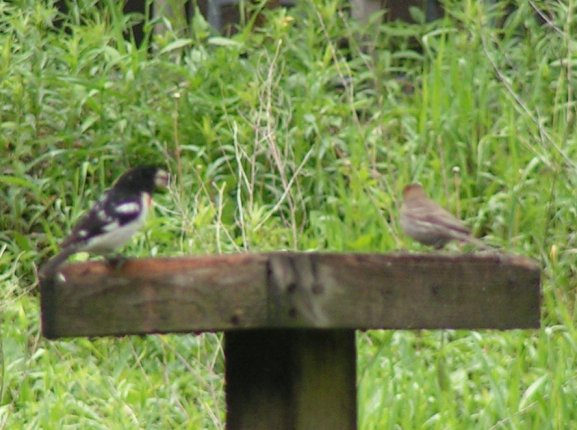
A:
(161, 179)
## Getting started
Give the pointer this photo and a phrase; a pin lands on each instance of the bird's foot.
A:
(116, 262)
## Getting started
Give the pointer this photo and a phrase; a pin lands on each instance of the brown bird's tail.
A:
(476, 242)
(48, 269)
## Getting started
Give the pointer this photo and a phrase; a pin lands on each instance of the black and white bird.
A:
(114, 218)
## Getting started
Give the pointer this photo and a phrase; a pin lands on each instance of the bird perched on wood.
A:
(428, 223)
(114, 218)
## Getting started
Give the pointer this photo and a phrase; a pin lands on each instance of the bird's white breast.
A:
(115, 236)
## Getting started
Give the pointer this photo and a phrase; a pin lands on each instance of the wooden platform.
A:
(289, 318)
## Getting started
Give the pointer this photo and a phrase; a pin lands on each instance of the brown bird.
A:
(428, 223)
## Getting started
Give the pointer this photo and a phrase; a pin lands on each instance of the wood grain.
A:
(290, 379)
(292, 290)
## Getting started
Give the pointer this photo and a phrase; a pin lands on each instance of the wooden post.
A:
(290, 380)
(289, 318)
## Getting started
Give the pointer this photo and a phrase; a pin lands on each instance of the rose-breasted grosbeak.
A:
(428, 223)
(113, 219)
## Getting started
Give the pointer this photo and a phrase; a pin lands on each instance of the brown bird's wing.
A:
(454, 227)
(446, 220)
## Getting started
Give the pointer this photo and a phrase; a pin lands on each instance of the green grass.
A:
(281, 138)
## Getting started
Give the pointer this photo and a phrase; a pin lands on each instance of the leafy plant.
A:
(296, 134)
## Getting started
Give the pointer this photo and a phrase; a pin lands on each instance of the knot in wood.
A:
(294, 290)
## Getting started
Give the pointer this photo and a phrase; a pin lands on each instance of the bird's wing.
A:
(109, 213)
(445, 219)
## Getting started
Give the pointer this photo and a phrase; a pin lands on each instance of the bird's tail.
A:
(48, 269)
(478, 243)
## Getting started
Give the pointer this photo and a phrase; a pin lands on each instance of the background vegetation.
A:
(285, 137)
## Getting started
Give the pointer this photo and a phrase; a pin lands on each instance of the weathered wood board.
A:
(292, 290)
